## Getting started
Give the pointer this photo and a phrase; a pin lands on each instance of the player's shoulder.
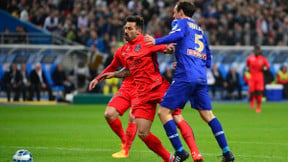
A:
(120, 49)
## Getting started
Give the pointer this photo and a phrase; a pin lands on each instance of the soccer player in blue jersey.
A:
(189, 83)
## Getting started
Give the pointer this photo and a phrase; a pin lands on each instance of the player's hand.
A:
(170, 48)
(149, 39)
(174, 64)
(92, 84)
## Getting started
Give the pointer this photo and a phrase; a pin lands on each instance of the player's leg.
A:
(252, 96)
(117, 106)
(111, 116)
(188, 135)
(130, 132)
(175, 97)
(144, 115)
(259, 94)
(201, 101)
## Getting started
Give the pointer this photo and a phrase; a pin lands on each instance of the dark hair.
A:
(137, 19)
(187, 7)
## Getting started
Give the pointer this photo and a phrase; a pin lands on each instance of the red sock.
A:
(252, 100)
(259, 101)
(130, 135)
(156, 146)
(187, 134)
(116, 126)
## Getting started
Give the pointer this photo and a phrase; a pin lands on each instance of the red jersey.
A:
(119, 59)
(255, 65)
(141, 61)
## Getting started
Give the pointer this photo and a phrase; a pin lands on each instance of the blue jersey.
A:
(191, 51)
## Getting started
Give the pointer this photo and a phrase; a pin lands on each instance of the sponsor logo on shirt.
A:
(196, 54)
(136, 62)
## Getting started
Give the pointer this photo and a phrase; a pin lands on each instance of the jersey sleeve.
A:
(157, 48)
(113, 65)
(176, 34)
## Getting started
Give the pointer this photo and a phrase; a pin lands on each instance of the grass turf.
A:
(62, 133)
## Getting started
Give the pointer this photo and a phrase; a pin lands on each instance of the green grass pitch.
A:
(68, 133)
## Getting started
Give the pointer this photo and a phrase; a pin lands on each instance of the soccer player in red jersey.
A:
(141, 64)
(256, 63)
(124, 98)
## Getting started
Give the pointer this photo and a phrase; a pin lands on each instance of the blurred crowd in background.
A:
(99, 22)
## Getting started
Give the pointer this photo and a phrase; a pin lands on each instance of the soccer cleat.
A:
(171, 159)
(228, 157)
(121, 154)
(258, 110)
(197, 157)
(179, 158)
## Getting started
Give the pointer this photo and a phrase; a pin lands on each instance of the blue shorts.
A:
(180, 92)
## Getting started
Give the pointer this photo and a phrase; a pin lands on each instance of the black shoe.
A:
(228, 157)
(181, 157)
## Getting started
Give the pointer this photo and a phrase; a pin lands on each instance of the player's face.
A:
(131, 31)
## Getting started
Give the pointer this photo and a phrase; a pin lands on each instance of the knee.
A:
(207, 116)
(142, 133)
(178, 118)
(110, 114)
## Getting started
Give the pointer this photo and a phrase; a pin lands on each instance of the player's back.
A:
(192, 52)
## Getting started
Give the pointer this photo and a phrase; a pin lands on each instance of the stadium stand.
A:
(232, 27)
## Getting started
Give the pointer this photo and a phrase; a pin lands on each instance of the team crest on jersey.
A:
(137, 47)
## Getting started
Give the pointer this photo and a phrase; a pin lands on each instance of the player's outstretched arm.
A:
(122, 73)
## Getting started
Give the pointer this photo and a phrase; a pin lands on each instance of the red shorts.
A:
(123, 99)
(256, 85)
(147, 104)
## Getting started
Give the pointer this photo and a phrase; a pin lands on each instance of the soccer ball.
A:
(22, 156)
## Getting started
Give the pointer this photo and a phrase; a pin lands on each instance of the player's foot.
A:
(171, 159)
(258, 110)
(197, 157)
(179, 157)
(121, 154)
(228, 157)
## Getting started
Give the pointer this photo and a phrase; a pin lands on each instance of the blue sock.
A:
(171, 131)
(219, 135)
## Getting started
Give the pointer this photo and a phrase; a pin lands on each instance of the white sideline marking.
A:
(110, 150)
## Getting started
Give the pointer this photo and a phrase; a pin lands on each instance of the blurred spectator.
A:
(39, 82)
(51, 22)
(233, 84)
(25, 84)
(94, 59)
(282, 78)
(82, 20)
(81, 72)
(220, 82)
(60, 79)
(12, 82)
(38, 18)
(24, 15)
